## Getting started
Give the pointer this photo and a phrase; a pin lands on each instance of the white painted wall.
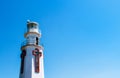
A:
(33, 30)
(29, 68)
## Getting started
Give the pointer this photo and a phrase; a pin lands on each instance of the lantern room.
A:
(32, 27)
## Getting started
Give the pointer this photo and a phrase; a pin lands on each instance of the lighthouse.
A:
(32, 53)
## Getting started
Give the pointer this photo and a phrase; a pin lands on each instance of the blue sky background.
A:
(81, 37)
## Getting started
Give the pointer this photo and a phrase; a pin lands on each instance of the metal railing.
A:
(24, 43)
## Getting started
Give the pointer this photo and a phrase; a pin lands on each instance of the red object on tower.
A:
(37, 55)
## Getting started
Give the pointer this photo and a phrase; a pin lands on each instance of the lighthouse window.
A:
(32, 26)
(35, 27)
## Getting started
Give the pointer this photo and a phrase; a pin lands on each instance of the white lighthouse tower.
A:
(32, 53)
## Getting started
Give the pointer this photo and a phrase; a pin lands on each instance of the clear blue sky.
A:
(81, 37)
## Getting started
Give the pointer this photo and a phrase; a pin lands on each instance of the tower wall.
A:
(29, 65)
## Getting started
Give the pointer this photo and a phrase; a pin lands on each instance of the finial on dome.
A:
(28, 21)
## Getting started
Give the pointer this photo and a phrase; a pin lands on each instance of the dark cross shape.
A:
(23, 54)
(37, 55)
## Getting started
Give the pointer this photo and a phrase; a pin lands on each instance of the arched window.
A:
(37, 41)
